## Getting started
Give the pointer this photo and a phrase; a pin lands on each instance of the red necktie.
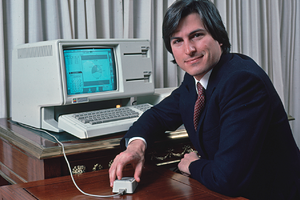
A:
(199, 105)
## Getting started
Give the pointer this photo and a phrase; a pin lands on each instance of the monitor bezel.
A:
(89, 97)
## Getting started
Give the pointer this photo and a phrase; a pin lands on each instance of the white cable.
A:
(68, 164)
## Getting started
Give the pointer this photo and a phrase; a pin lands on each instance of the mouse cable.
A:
(121, 192)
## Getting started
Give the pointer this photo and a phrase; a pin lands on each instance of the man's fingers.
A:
(119, 171)
(112, 177)
(138, 172)
(112, 174)
(115, 170)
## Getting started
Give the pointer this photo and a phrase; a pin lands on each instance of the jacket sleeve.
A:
(160, 118)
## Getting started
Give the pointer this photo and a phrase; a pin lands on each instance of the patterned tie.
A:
(199, 105)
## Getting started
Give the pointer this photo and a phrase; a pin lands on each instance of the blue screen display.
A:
(90, 70)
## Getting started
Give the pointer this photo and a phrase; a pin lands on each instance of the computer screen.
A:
(90, 70)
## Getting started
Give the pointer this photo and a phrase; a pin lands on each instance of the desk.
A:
(27, 155)
(156, 183)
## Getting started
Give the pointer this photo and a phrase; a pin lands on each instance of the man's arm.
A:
(156, 120)
(134, 155)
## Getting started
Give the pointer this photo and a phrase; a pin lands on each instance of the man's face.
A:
(194, 49)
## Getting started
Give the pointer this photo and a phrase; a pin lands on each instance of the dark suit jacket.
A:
(244, 138)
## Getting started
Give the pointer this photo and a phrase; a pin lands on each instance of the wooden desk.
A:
(27, 155)
(156, 183)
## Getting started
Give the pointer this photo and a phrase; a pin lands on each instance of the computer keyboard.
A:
(101, 122)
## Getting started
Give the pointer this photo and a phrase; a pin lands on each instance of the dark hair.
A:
(210, 17)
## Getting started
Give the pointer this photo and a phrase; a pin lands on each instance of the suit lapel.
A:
(212, 84)
(189, 98)
(214, 79)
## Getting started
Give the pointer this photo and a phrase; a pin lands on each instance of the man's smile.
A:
(194, 59)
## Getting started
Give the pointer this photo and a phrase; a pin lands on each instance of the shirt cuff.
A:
(135, 138)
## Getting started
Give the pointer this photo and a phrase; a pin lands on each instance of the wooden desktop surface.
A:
(156, 183)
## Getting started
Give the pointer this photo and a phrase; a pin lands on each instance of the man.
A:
(242, 133)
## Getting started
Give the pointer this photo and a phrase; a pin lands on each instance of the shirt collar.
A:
(204, 80)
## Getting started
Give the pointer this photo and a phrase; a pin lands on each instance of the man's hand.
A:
(134, 155)
(185, 162)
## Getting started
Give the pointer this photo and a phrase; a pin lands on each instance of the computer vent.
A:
(32, 52)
